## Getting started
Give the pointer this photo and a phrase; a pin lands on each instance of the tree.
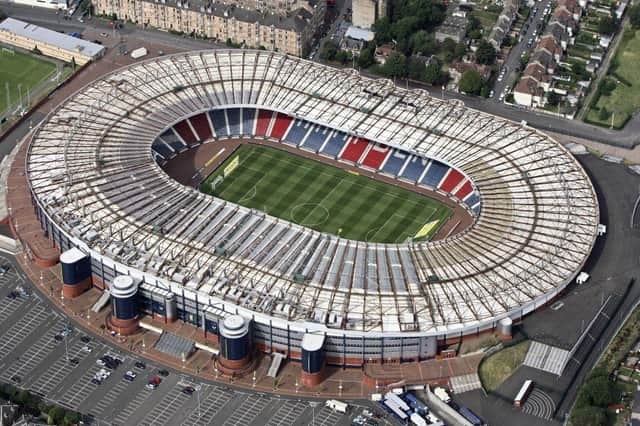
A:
(56, 414)
(601, 391)
(485, 54)
(382, 30)
(433, 74)
(603, 114)
(395, 65)
(553, 98)
(470, 82)
(422, 43)
(634, 16)
(579, 70)
(474, 27)
(366, 58)
(589, 416)
(329, 50)
(606, 25)
(71, 418)
(416, 69)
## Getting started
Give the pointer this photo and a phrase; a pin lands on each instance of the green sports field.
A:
(21, 68)
(324, 198)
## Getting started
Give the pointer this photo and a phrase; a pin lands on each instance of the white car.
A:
(501, 98)
(491, 93)
(101, 363)
(131, 374)
(87, 349)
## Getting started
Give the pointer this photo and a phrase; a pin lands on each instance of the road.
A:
(626, 138)
(534, 24)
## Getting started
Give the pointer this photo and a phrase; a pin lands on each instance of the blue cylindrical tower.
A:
(124, 316)
(76, 272)
(312, 358)
(235, 342)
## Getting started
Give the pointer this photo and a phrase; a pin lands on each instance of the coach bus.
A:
(471, 416)
(393, 407)
(523, 393)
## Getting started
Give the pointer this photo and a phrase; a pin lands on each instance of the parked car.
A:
(163, 373)
(140, 365)
(188, 390)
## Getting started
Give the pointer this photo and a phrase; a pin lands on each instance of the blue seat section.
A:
(394, 163)
(219, 123)
(316, 138)
(248, 120)
(233, 117)
(172, 139)
(335, 144)
(435, 174)
(472, 200)
(162, 149)
(414, 168)
(296, 132)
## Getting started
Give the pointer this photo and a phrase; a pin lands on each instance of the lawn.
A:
(625, 98)
(21, 68)
(498, 367)
(324, 198)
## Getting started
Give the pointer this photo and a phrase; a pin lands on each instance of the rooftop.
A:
(51, 37)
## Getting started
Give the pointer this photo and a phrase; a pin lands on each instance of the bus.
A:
(397, 400)
(471, 416)
(523, 393)
(391, 406)
(417, 405)
(335, 405)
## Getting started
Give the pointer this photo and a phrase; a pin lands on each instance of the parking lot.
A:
(37, 354)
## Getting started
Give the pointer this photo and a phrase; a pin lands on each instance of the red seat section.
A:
(464, 190)
(451, 181)
(185, 132)
(376, 156)
(354, 149)
(264, 119)
(202, 127)
(280, 126)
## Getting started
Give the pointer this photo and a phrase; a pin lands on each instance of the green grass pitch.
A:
(16, 68)
(325, 198)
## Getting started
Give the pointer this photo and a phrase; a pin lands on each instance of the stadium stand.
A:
(435, 172)
(263, 122)
(394, 162)
(219, 122)
(202, 127)
(395, 300)
(280, 126)
(316, 137)
(233, 119)
(376, 156)
(354, 149)
(161, 148)
(248, 121)
(296, 133)
(184, 130)
(334, 144)
(451, 181)
(413, 168)
(173, 140)
(465, 189)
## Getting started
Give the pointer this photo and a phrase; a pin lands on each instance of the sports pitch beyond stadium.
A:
(325, 198)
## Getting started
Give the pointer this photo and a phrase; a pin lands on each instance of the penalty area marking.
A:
(300, 208)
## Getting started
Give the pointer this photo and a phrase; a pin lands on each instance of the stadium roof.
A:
(51, 37)
(90, 167)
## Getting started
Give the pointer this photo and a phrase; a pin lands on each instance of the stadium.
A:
(309, 201)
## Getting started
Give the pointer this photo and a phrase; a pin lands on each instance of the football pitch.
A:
(323, 197)
(20, 68)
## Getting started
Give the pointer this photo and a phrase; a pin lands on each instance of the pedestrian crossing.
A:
(546, 358)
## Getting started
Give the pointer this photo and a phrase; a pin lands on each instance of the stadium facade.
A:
(96, 182)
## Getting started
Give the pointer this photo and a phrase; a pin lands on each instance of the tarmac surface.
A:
(61, 371)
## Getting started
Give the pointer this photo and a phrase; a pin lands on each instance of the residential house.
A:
(383, 52)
